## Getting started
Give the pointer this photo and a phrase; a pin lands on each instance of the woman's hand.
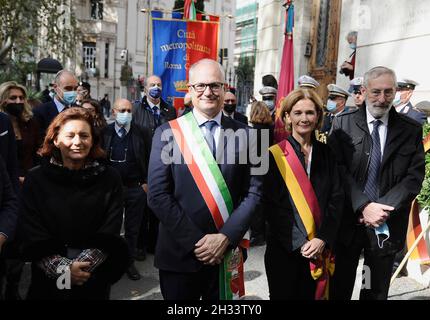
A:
(313, 248)
(78, 274)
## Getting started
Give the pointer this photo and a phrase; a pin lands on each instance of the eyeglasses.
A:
(215, 87)
(118, 161)
(357, 92)
(387, 93)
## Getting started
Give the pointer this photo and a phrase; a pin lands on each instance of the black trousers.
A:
(148, 232)
(190, 285)
(377, 265)
(135, 203)
(288, 274)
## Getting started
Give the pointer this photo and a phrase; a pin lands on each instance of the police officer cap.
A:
(84, 84)
(406, 84)
(355, 84)
(268, 91)
(307, 82)
(335, 90)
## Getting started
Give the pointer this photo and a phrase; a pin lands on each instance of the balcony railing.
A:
(97, 27)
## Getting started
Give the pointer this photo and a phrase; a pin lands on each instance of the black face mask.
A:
(15, 109)
(229, 108)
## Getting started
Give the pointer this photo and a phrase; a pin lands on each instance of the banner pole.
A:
(411, 249)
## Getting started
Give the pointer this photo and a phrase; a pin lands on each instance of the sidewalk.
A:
(147, 288)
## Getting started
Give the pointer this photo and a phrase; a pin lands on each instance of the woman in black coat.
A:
(72, 215)
(291, 249)
(260, 119)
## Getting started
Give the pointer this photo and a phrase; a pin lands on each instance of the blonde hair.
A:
(5, 89)
(260, 113)
(295, 96)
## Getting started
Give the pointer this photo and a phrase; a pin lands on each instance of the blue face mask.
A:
(123, 118)
(382, 232)
(397, 99)
(270, 104)
(155, 92)
(69, 97)
(353, 46)
(331, 106)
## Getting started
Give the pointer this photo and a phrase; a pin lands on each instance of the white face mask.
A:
(123, 118)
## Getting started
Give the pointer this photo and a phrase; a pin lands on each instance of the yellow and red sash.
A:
(305, 200)
(213, 188)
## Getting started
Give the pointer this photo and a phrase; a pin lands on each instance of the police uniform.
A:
(307, 82)
(333, 90)
(408, 109)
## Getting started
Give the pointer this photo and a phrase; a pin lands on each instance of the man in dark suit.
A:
(230, 108)
(381, 157)
(405, 90)
(128, 148)
(190, 247)
(8, 216)
(65, 87)
(151, 112)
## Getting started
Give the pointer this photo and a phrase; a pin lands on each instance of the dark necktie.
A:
(209, 135)
(122, 132)
(371, 189)
(156, 116)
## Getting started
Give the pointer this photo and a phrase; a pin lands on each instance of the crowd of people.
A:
(187, 187)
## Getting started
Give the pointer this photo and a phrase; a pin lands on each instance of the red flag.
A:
(286, 78)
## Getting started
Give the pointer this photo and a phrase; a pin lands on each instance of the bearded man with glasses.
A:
(381, 157)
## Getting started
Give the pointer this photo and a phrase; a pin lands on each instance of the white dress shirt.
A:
(202, 119)
(383, 127)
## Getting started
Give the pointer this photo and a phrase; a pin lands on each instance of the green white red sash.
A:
(213, 188)
(305, 200)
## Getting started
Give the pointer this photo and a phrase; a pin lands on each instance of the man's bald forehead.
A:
(65, 75)
(153, 78)
(205, 63)
(122, 103)
(229, 95)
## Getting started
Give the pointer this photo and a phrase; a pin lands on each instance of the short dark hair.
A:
(76, 113)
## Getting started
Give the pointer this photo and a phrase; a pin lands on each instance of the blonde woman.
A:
(13, 102)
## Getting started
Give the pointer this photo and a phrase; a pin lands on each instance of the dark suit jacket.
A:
(184, 217)
(240, 117)
(8, 149)
(44, 114)
(8, 203)
(143, 116)
(285, 226)
(401, 171)
(141, 138)
(414, 114)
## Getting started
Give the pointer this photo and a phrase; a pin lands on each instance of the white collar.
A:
(153, 105)
(202, 118)
(126, 127)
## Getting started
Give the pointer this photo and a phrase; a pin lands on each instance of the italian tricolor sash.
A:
(305, 200)
(214, 190)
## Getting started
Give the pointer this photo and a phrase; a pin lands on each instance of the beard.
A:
(378, 110)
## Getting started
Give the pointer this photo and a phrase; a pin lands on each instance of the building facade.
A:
(393, 34)
(118, 33)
